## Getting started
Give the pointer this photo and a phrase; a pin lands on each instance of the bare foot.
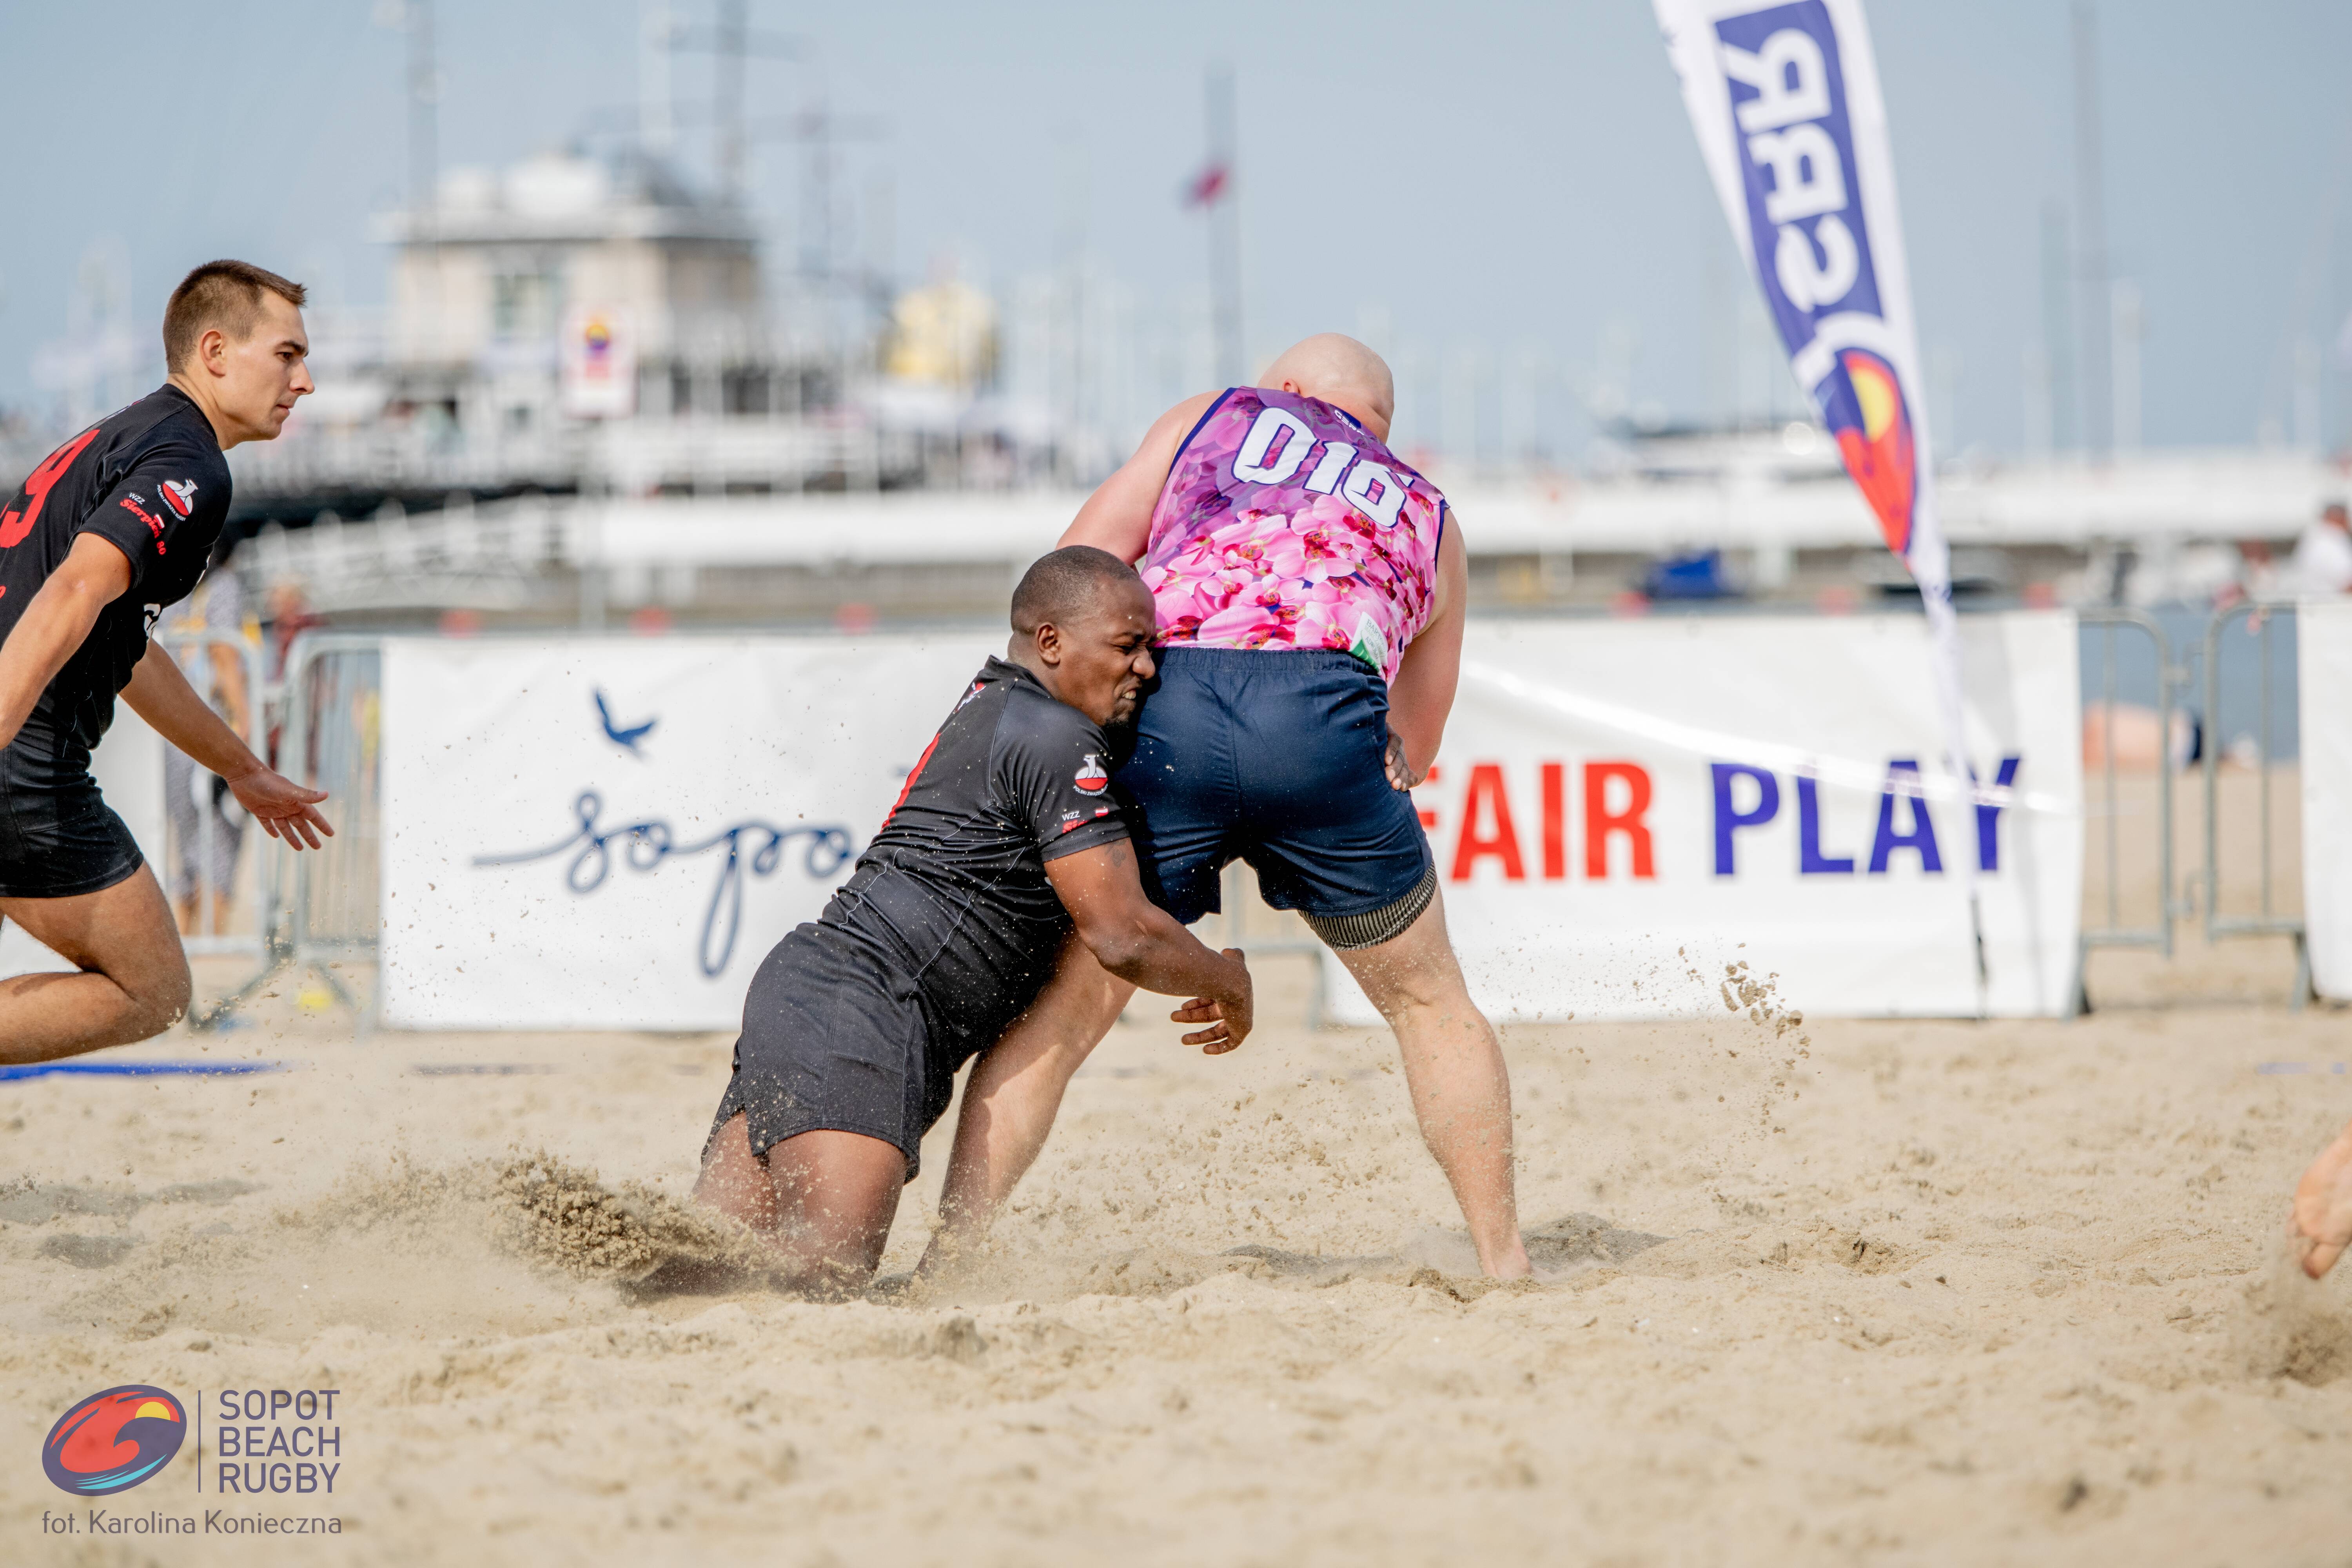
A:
(2322, 1206)
(1509, 1261)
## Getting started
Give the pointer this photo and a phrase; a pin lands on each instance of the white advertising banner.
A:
(611, 833)
(1620, 804)
(2323, 676)
(608, 833)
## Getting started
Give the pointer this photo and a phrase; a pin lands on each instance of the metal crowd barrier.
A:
(321, 906)
(2206, 659)
(2262, 621)
(2170, 681)
(194, 651)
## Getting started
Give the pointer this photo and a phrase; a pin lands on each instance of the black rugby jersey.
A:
(151, 481)
(955, 882)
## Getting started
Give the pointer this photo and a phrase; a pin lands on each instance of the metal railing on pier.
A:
(2263, 623)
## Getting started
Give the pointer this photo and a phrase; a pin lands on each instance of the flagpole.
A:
(1225, 233)
(1944, 658)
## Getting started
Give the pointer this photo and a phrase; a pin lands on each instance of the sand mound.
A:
(563, 1216)
(478, 1246)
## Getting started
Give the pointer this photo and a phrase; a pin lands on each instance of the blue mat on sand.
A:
(138, 1069)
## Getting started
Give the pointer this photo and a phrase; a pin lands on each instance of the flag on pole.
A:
(1203, 188)
(1785, 99)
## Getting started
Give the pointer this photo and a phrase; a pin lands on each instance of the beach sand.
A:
(1939, 1292)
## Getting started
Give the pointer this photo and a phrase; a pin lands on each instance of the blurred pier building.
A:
(566, 326)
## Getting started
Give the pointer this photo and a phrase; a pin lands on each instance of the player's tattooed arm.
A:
(1141, 943)
(94, 574)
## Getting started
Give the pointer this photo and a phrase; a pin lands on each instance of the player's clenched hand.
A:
(284, 808)
(1400, 769)
(1229, 1021)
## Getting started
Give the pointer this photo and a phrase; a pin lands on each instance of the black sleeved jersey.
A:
(149, 480)
(955, 879)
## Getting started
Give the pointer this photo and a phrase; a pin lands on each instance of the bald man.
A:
(1307, 591)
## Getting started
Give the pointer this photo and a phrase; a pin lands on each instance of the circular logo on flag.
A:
(1866, 414)
(112, 1441)
(1091, 778)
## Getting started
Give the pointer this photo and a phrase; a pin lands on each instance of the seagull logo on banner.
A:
(626, 739)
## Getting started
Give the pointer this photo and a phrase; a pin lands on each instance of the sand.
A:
(1943, 1292)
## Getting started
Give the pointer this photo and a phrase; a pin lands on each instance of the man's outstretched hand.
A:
(1229, 1022)
(284, 808)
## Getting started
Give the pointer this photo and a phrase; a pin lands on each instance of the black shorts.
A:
(58, 838)
(836, 1039)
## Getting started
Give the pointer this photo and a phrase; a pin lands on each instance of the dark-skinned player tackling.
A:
(1006, 848)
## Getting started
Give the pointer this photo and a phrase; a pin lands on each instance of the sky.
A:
(1502, 177)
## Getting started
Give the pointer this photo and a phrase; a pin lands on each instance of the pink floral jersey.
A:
(1284, 525)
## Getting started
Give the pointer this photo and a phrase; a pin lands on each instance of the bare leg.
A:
(1453, 1067)
(821, 1201)
(133, 980)
(1012, 1094)
(2322, 1205)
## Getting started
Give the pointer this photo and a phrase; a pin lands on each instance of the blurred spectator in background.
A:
(2323, 555)
(2257, 576)
(288, 611)
(208, 824)
(2132, 736)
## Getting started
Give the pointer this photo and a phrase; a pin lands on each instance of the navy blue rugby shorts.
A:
(1274, 757)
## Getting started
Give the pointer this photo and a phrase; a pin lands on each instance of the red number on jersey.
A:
(12, 527)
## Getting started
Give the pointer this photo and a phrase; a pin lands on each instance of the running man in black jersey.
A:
(1005, 844)
(110, 529)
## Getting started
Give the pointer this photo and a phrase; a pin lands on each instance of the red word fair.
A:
(1616, 801)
